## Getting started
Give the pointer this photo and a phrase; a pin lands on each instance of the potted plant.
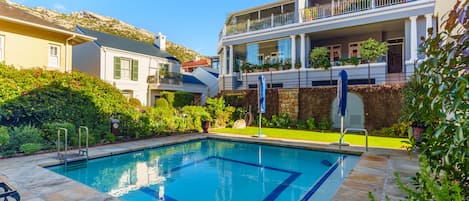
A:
(298, 65)
(287, 64)
(205, 120)
(411, 113)
(371, 50)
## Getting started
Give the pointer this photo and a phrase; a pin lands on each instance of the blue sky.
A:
(194, 24)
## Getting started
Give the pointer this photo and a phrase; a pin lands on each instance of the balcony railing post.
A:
(332, 8)
(272, 20)
(372, 4)
(248, 25)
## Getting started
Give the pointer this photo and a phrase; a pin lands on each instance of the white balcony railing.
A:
(308, 14)
(345, 7)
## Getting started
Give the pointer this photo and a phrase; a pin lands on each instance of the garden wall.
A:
(382, 103)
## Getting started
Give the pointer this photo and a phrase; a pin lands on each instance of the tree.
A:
(320, 58)
(371, 50)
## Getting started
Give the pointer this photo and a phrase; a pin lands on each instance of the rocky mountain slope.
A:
(110, 25)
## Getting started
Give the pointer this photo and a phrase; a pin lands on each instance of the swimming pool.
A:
(217, 170)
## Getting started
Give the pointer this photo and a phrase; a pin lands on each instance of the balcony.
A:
(319, 11)
(345, 7)
(264, 23)
(169, 78)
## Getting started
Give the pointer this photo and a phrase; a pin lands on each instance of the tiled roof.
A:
(113, 41)
(197, 63)
(10, 11)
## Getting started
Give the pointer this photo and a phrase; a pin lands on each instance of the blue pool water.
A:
(217, 170)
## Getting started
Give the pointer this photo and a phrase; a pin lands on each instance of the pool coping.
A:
(35, 183)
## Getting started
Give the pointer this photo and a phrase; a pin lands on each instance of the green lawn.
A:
(354, 139)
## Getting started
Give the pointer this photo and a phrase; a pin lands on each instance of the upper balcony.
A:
(316, 9)
(165, 80)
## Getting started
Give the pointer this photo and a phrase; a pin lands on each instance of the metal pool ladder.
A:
(73, 160)
(357, 130)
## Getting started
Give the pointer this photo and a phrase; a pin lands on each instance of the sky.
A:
(194, 24)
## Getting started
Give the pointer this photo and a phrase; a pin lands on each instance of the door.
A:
(395, 58)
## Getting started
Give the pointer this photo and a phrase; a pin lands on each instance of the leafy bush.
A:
(219, 111)
(397, 130)
(51, 130)
(239, 113)
(442, 106)
(162, 103)
(134, 102)
(29, 148)
(320, 58)
(23, 135)
(169, 96)
(310, 123)
(281, 121)
(301, 124)
(182, 98)
(195, 115)
(36, 96)
(4, 137)
(324, 124)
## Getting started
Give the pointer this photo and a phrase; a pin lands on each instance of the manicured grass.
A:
(354, 139)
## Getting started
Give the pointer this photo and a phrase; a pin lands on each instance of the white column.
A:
(413, 38)
(225, 61)
(231, 59)
(301, 10)
(293, 51)
(372, 4)
(429, 22)
(248, 24)
(302, 50)
(332, 7)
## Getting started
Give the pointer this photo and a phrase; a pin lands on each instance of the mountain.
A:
(110, 25)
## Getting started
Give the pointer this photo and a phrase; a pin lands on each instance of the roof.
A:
(16, 15)
(113, 41)
(212, 71)
(191, 79)
(197, 63)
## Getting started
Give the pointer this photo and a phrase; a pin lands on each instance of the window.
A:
(125, 69)
(354, 49)
(54, 56)
(2, 48)
(334, 52)
(128, 94)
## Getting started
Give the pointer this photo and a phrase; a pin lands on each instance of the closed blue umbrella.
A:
(261, 97)
(342, 100)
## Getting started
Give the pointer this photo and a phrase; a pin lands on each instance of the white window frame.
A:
(129, 70)
(2, 48)
(50, 55)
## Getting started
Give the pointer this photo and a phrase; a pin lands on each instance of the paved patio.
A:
(374, 171)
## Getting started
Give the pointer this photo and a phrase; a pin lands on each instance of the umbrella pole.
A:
(260, 124)
(341, 140)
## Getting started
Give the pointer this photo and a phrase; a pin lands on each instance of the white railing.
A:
(382, 3)
(260, 24)
(344, 7)
(236, 28)
(284, 19)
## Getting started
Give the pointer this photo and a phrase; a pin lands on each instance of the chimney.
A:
(160, 41)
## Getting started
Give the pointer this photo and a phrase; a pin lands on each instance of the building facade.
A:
(138, 69)
(27, 41)
(276, 40)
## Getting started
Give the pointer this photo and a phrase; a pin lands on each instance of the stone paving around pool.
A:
(373, 173)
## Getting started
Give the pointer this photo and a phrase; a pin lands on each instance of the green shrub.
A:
(169, 96)
(8, 153)
(51, 130)
(110, 138)
(310, 123)
(320, 58)
(301, 124)
(182, 98)
(162, 103)
(324, 124)
(29, 148)
(281, 121)
(36, 96)
(194, 116)
(23, 135)
(397, 130)
(4, 137)
(134, 102)
(219, 111)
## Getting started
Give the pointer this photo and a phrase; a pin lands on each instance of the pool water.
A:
(217, 170)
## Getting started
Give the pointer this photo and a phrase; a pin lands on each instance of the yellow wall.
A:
(27, 47)
(442, 9)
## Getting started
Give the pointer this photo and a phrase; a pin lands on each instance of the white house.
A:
(138, 69)
(285, 32)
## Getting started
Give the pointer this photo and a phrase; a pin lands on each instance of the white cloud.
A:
(59, 7)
